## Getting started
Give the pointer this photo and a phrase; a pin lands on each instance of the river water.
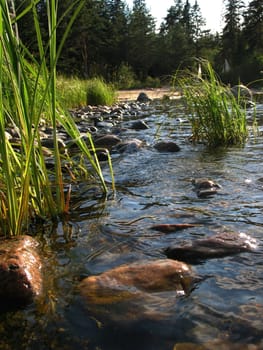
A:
(224, 309)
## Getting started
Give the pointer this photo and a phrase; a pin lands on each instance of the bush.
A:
(125, 77)
(100, 93)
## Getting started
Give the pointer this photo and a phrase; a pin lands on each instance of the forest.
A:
(123, 45)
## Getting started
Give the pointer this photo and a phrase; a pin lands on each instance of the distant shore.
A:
(130, 95)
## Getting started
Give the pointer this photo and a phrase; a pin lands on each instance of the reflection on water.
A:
(155, 188)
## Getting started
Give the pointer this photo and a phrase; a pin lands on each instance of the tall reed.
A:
(216, 116)
(27, 94)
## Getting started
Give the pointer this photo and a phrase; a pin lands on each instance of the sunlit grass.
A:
(75, 92)
(100, 93)
(28, 95)
(72, 91)
(216, 116)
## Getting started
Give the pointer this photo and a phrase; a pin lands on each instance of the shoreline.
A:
(154, 93)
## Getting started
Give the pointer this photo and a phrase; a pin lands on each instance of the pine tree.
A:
(253, 26)
(141, 39)
(231, 38)
(116, 52)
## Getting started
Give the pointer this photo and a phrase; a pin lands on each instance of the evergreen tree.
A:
(141, 39)
(253, 26)
(116, 52)
(85, 50)
(197, 22)
(231, 38)
(181, 31)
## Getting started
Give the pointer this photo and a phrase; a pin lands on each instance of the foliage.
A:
(28, 189)
(124, 77)
(215, 114)
(141, 39)
(99, 93)
(109, 35)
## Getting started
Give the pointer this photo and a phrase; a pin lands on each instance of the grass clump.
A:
(216, 116)
(29, 189)
(71, 91)
(99, 93)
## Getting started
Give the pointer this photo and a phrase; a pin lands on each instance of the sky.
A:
(212, 11)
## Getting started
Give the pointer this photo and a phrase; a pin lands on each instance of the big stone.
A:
(20, 270)
(136, 291)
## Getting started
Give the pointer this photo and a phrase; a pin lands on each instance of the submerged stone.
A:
(20, 270)
(140, 287)
(107, 141)
(129, 146)
(167, 146)
(205, 187)
(217, 246)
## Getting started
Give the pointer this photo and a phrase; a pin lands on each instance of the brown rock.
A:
(217, 246)
(140, 287)
(20, 270)
(168, 228)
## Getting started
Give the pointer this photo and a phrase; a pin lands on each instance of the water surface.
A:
(153, 188)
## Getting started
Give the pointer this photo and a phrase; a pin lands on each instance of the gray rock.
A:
(128, 146)
(167, 146)
(139, 125)
(205, 187)
(143, 97)
(107, 141)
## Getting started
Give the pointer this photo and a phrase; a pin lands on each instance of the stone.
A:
(140, 286)
(241, 91)
(216, 246)
(143, 97)
(167, 146)
(205, 187)
(139, 125)
(106, 141)
(128, 146)
(169, 228)
(244, 95)
(203, 183)
(20, 270)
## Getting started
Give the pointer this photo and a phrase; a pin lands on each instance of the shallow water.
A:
(226, 304)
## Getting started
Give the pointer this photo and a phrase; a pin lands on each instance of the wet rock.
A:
(241, 91)
(20, 270)
(205, 187)
(167, 146)
(217, 246)
(139, 125)
(102, 155)
(244, 95)
(168, 228)
(138, 287)
(128, 146)
(143, 97)
(49, 144)
(107, 141)
(217, 344)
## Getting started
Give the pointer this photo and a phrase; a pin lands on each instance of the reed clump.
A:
(28, 97)
(217, 118)
(100, 93)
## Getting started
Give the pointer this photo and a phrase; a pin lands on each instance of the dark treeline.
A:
(119, 43)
